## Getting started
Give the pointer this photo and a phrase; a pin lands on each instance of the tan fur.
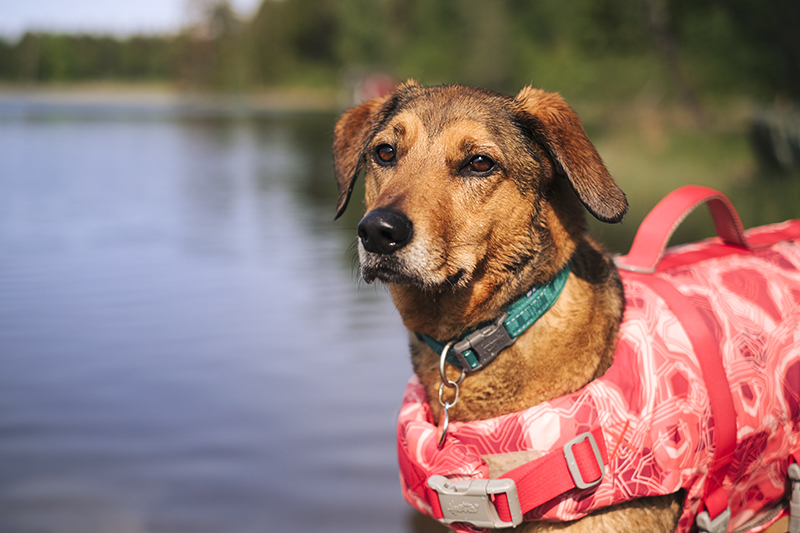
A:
(481, 240)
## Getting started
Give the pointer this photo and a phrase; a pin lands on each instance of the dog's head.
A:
(464, 183)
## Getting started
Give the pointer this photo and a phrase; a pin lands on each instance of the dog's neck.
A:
(478, 347)
(569, 346)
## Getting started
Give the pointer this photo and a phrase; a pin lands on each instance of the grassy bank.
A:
(258, 101)
(652, 150)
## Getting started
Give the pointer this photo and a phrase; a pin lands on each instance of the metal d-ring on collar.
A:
(442, 374)
(481, 346)
(444, 422)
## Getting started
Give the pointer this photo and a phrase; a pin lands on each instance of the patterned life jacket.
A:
(703, 395)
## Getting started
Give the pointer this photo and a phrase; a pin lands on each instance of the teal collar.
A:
(478, 347)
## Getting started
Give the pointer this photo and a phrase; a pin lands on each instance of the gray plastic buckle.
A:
(487, 343)
(470, 501)
(718, 525)
(572, 465)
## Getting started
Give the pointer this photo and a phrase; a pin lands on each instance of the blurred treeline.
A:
(688, 49)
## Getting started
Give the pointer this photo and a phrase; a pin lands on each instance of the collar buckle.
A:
(480, 347)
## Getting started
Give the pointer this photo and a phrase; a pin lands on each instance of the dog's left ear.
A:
(557, 127)
(350, 137)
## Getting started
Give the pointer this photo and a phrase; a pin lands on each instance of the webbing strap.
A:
(551, 475)
(579, 464)
(655, 230)
(723, 412)
(644, 256)
(526, 311)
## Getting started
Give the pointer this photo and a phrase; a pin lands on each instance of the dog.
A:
(472, 198)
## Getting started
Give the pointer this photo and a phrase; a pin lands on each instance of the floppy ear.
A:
(352, 132)
(557, 127)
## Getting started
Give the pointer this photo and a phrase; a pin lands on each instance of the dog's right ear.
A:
(353, 130)
(558, 128)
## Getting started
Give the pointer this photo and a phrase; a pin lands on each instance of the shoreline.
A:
(163, 99)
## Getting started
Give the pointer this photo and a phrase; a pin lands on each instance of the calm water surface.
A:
(183, 344)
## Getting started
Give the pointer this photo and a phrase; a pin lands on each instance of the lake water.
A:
(184, 346)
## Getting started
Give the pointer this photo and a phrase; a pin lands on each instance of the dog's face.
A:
(465, 184)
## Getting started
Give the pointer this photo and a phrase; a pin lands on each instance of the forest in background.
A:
(691, 51)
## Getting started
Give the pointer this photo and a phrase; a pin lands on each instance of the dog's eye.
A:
(480, 164)
(385, 153)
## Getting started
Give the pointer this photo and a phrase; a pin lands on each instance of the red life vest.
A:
(703, 395)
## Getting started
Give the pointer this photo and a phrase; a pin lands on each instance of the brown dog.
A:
(472, 198)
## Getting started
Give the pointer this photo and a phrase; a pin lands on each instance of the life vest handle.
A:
(658, 226)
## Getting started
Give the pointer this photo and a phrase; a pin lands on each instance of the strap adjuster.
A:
(572, 464)
(470, 501)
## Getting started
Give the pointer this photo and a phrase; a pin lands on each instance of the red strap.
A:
(644, 256)
(658, 226)
(723, 412)
(547, 477)
(537, 482)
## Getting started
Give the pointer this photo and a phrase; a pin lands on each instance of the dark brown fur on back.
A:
(475, 239)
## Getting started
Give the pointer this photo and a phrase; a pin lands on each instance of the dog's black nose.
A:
(384, 231)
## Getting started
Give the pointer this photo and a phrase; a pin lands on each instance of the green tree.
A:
(210, 51)
(587, 48)
(8, 63)
(294, 40)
